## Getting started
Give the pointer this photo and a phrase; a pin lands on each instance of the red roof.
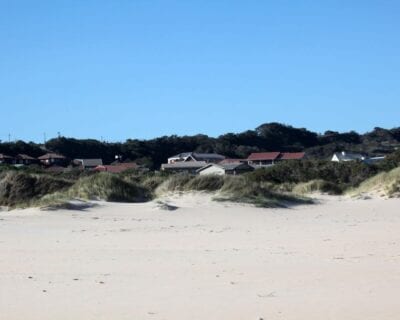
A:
(292, 155)
(262, 156)
(117, 168)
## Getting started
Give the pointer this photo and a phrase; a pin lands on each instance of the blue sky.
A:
(143, 68)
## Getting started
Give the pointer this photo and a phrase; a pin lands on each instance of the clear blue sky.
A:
(143, 68)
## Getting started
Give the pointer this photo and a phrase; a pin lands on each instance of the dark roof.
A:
(260, 156)
(51, 155)
(206, 156)
(228, 160)
(25, 157)
(184, 165)
(89, 162)
(5, 156)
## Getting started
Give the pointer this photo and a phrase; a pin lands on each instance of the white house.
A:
(225, 168)
(347, 156)
(87, 164)
(194, 156)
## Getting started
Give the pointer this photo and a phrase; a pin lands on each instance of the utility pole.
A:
(9, 138)
(44, 137)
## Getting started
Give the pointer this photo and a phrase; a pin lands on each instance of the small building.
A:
(225, 169)
(194, 156)
(118, 167)
(52, 158)
(347, 156)
(87, 164)
(25, 159)
(182, 166)
(6, 159)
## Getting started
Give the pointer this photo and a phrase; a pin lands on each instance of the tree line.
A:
(266, 137)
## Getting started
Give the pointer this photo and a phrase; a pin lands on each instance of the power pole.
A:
(9, 138)
(44, 137)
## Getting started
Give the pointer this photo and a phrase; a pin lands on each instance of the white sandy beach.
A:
(336, 260)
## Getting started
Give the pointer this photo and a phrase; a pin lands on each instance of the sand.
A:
(339, 259)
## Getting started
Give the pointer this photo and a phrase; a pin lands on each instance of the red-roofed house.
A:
(270, 158)
(263, 158)
(117, 168)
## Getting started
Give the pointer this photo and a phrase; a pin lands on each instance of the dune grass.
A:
(22, 188)
(317, 186)
(384, 183)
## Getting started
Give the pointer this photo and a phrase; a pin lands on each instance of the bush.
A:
(344, 174)
(205, 183)
(317, 186)
(20, 188)
(244, 190)
(108, 187)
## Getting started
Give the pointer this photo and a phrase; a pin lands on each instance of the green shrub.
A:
(205, 183)
(345, 174)
(20, 188)
(317, 186)
(108, 187)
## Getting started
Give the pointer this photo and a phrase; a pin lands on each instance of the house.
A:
(87, 164)
(194, 156)
(183, 166)
(347, 156)
(374, 160)
(263, 158)
(52, 158)
(117, 168)
(230, 160)
(24, 159)
(6, 159)
(270, 158)
(225, 169)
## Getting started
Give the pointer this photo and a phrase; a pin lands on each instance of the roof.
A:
(184, 165)
(270, 156)
(25, 157)
(292, 155)
(198, 156)
(89, 162)
(182, 155)
(227, 166)
(206, 156)
(51, 155)
(260, 156)
(5, 156)
(117, 168)
(229, 160)
(346, 156)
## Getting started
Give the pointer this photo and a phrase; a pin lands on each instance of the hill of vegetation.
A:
(267, 137)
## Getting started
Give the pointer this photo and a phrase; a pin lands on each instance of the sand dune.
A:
(339, 259)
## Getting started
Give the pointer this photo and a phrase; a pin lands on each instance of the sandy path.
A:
(336, 260)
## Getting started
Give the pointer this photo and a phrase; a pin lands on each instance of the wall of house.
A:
(212, 170)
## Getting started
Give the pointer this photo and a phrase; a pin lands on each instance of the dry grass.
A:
(383, 184)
